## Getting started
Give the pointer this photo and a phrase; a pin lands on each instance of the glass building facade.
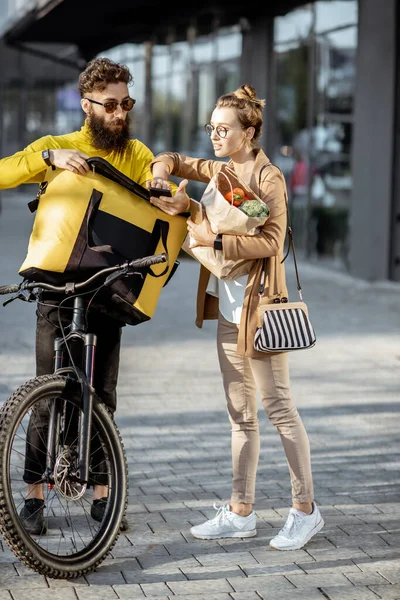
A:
(310, 112)
(315, 73)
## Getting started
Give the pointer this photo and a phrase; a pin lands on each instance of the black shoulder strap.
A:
(289, 233)
(102, 167)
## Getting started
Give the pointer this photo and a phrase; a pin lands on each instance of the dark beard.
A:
(105, 138)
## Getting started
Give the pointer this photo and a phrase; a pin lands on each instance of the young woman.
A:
(234, 129)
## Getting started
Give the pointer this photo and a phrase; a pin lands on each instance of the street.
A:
(172, 418)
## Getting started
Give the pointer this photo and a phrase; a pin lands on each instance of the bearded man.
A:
(105, 99)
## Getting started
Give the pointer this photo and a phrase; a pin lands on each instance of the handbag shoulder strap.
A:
(290, 246)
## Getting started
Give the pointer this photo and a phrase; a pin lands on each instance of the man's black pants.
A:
(108, 333)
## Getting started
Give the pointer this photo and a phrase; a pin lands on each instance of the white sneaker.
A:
(298, 529)
(226, 524)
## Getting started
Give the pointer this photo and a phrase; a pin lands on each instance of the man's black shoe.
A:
(97, 512)
(32, 518)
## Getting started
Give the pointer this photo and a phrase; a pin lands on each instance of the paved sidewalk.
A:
(171, 414)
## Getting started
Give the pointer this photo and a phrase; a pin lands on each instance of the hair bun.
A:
(248, 92)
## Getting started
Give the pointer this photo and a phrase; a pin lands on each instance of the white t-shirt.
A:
(231, 296)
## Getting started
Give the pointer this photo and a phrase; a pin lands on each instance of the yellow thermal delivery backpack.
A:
(85, 223)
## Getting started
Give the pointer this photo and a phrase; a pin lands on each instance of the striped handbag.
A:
(283, 326)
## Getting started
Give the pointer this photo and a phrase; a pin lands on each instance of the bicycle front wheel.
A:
(75, 543)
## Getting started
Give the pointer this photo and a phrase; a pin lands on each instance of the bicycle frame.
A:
(89, 341)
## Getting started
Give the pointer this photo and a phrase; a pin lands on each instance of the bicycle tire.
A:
(18, 539)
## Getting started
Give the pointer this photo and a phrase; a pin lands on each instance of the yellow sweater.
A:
(28, 166)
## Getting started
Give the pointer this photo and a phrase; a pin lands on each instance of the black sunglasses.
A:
(112, 105)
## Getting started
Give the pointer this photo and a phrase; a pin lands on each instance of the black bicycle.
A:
(78, 441)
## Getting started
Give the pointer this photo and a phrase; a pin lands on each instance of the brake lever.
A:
(25, 295)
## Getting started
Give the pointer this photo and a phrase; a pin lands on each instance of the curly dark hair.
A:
(99, 73)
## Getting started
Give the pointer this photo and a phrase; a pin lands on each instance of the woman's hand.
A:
(176, 204)
(158, 182)
(160, 171)
(200, 235)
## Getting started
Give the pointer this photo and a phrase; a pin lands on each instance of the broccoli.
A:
(254, 208)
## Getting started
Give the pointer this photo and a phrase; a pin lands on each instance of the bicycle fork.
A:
(85, 379)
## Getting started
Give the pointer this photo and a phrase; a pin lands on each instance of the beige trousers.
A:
(242, 376)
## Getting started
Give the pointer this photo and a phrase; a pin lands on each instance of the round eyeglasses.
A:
(220, 130)
(112, 105)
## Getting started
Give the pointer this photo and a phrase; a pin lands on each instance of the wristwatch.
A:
(46, 157)
(218, 242)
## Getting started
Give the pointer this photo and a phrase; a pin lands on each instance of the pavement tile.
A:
(155, 589)
(260, 543)
(65, 593)
(387, 592)
(387, 553)
(275, 594)
(349, 593)
(329, 566)
(362, 528)
(367, 578)
(136, 551)
(392, 575)
(55, 584)
(288, 569)
(355, 554)
(245, 596)
(257, 583)
(317, 579)
(357, 509)
(105, 577)
(215, 572)
(357, 540)
(154, 577)
(392, 539)
(94, 592)
(149, 562)
(221, 596)
(228, 558)
(270, 557)
(180, 549)
(199, 587)
(129, 591)
(378, 565)
(11, 580)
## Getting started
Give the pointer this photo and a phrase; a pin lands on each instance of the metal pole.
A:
(189, 114)
(169, 108)
(310, 127)
(147, 114)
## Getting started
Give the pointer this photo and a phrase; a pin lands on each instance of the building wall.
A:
(373, 147)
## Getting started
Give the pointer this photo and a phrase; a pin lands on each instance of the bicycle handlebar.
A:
(9, 289)
(139, 263)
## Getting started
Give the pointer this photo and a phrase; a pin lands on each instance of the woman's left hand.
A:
(200, 235)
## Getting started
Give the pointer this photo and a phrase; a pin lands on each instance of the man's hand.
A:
(175, 205)
(70, 160)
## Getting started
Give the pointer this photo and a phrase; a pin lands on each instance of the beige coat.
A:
(268, 183)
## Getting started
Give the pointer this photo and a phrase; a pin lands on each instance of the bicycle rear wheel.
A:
(75, 543)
